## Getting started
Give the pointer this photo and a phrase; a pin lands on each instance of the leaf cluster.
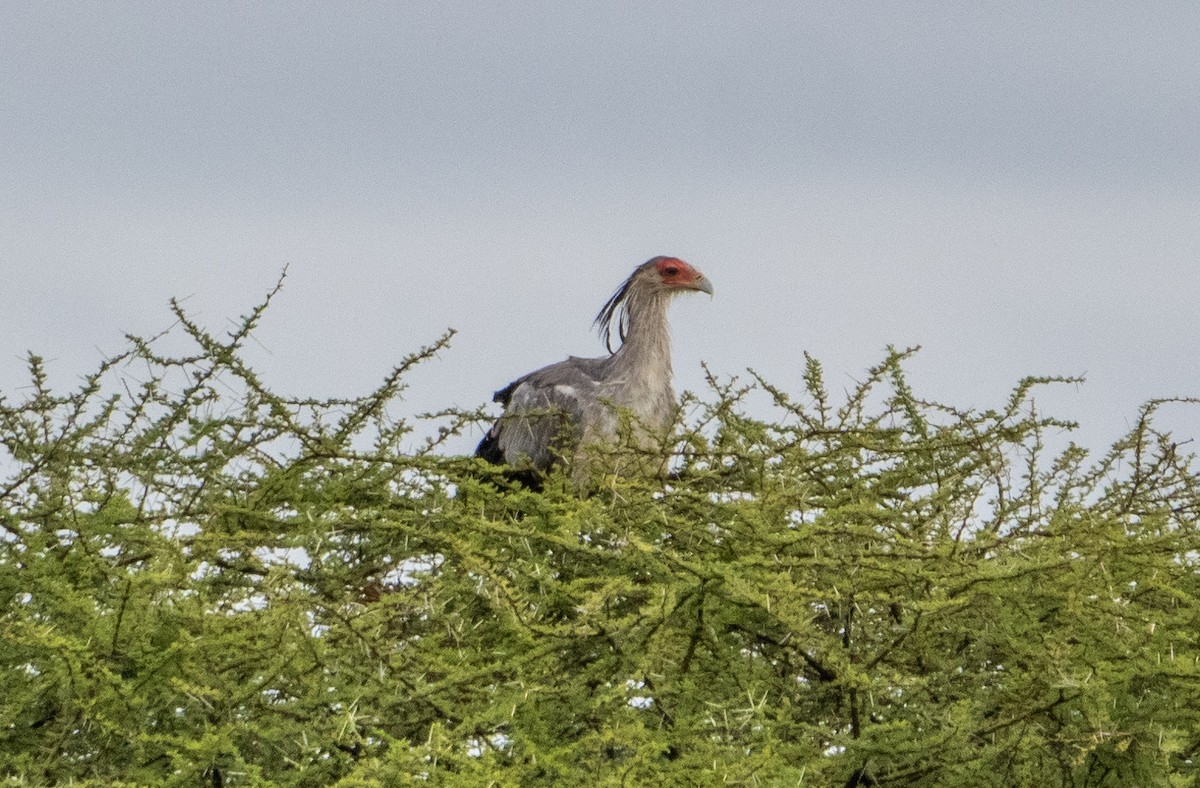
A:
(205, 582)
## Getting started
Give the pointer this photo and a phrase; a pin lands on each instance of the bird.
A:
(561, 412)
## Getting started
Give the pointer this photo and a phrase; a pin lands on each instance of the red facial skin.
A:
(677, 273)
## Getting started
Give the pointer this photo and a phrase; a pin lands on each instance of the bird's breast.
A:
(649, 399)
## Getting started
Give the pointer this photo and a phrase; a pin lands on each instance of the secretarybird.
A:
(562, 411)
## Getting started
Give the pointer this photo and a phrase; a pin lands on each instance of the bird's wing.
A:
(543, 412)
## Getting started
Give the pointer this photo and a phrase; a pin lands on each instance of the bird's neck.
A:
(646, 351)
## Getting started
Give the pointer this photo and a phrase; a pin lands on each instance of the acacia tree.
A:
(204, 580)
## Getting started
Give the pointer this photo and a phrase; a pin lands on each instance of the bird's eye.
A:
(670, 271)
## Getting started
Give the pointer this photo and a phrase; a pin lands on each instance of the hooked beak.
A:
(702, 284)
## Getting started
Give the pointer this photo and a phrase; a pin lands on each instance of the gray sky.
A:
(1016, 187)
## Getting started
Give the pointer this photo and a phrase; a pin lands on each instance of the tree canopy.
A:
(203, 581)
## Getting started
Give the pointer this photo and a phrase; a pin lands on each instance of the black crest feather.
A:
(610, 310)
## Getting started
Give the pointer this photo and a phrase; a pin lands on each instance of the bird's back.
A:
(544, 412)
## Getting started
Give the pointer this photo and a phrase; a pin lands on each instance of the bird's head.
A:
(672, 275)
(656, 277)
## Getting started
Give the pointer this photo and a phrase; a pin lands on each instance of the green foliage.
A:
(205, 582)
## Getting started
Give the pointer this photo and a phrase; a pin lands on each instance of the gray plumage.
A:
(552, 414)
